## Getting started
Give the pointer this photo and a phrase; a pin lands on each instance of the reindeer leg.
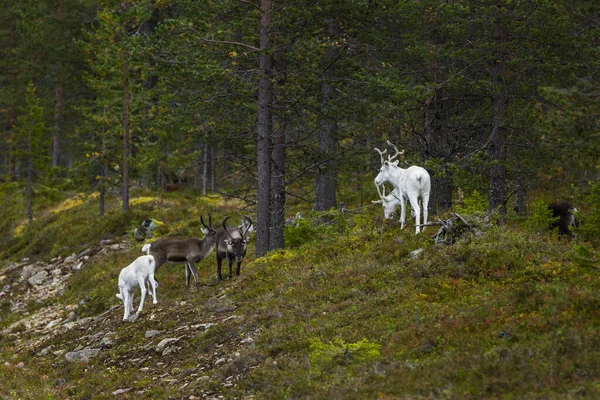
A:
(402, 211)
(193, 270)
(125, 298)
(237, 271)
(130, 303)
(187, 274)
(414, 203)
(425, 204)
(230, 267)
(142, 283)
(152, 283)
(219, 261)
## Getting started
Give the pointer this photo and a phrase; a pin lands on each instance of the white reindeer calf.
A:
(136, 275)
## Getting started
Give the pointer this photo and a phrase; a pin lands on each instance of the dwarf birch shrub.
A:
(323, 356)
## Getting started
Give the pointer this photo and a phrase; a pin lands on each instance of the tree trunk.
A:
(12, 163)
(58, 105)
(58, 100)
(126, 105)
(276, 238)
(102, 190)
(212, 163)
(499, 104)
(30, 180)
(205, 165)
(435, 128)
(436, 138)
(521, 201)
(263, 145)
(325, 196)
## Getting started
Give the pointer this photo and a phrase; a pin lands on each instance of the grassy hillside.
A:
(349, 312)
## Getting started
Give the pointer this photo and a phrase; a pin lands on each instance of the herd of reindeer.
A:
(412, 184)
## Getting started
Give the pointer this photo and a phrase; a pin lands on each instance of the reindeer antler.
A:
(381, 196)
(209, 226)
(249, 222)
(381, 153)
(225, 227)
(398, 152)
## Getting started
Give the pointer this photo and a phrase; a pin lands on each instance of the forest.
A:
(192, 117)
(268, 102)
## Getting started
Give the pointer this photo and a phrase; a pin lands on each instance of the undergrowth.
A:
(347, 311)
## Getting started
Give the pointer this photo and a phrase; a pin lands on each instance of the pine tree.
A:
(31, 144)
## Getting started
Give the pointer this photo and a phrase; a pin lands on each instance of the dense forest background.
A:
(274, 101)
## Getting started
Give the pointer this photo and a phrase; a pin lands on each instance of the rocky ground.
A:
(198, 352)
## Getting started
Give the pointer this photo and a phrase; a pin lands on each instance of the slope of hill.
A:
(354, 312)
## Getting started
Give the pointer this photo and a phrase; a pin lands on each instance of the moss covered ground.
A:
(347, 313)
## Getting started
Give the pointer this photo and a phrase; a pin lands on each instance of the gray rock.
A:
(84, 253)
(150, 334)
(108, 339)
(247, 340)
(163, 343)
(38, 278)
(82, 355)
(71, 317)
(44, 352)
(121, 391)
(53, 323)
(30, 270)
(169, 350)
(71, 259)
(203, 326)
(415, 253)
(77, 267)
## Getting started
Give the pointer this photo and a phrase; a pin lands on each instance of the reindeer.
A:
(412, 183)
(565, 212)
(188, 251)
(389, 202)
(136, 275)
(232, 244)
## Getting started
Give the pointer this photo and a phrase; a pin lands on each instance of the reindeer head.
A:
(208, 229)
(389, 202)
(238, 239)
(387, 165)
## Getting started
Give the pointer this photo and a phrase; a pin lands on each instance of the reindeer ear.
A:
(205, 231)
(395, 163)
(246, 239)
(376, 201)
(228, 242)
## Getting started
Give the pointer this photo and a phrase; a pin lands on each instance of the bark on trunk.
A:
(436, 133)
(264, 134)
(497, 153)
(276, 238)
(58, 100)
(30, 180)
(58, 105)
(126, 105)
(325, 187)
(521, 202)
(12, 164)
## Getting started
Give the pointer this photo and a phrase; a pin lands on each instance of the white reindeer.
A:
(136, 275)
(412, 183)
(389, 202)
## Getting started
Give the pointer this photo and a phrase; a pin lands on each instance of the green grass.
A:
(346, 314)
